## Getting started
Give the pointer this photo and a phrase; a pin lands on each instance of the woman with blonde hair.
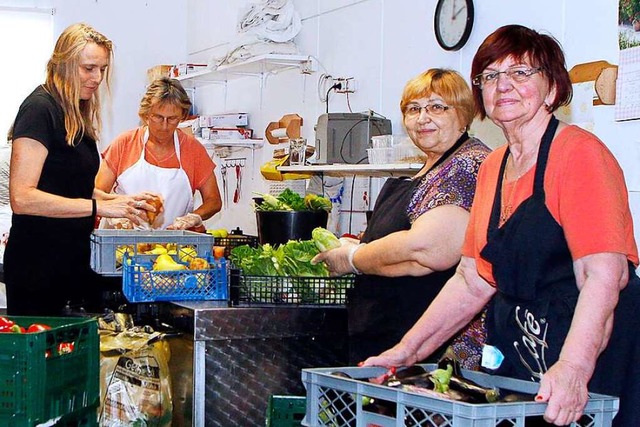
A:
(54, 162)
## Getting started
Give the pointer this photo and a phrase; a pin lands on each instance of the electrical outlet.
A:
(348, 84)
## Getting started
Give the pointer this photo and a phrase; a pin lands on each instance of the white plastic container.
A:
(382, 141)
(380, 156)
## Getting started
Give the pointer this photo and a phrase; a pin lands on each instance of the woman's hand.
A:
(133, 208)
(337, 260)
(190, 220)
(399, 355)
(564, 387)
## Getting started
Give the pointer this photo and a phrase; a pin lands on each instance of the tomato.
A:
(38, 327)
(6, 324)
(65, 347)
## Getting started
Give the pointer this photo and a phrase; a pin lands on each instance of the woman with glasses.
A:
(160, 159)
(54, 161)
(549, 247)
(412, 243)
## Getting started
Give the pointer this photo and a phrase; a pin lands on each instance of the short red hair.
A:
(522, 43)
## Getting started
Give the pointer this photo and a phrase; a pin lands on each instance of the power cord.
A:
(335, 86)
(323, 81)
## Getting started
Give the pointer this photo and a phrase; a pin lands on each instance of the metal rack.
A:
(261, 66)
(383, 170)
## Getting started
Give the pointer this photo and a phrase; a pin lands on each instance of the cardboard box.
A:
(158, 71)
(184, 69)
(227, 120)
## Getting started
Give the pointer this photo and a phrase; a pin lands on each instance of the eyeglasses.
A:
(516, 74)
(157, 118)
(413, 110)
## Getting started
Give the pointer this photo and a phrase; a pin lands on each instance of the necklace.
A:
(507, 208)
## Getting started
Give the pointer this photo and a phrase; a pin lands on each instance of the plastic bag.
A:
(135, 386)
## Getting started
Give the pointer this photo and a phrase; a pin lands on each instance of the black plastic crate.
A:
(285, 290)
(232, 241)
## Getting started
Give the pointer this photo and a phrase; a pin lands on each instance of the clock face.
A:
(453, 22)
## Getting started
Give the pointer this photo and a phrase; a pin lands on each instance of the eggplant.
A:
(410, 371)
(340, 406)
(514, 396)
(476, 392)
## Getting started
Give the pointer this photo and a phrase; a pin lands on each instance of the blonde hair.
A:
(166, 91)
(448, 84)
(81, 117)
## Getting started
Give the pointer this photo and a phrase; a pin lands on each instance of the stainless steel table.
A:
(231, 359)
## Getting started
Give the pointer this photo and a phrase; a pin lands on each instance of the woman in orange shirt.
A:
(157, 158)
(549, 246)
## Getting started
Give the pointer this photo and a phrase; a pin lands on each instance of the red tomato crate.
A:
(50, 375)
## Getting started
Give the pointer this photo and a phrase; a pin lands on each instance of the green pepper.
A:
(441, 378)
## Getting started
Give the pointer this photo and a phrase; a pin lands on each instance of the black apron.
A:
(382, 309)
(529, 317)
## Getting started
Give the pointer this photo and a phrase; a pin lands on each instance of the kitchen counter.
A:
(229, 360)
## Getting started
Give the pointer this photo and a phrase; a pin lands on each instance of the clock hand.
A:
(458, 12)
(453, 10)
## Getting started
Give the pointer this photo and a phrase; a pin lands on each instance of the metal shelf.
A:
(244, 143)
(256, 66)
(383, 170)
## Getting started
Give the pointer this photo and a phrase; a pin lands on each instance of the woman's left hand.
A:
(337, 260)
(564, 387)
(190, 220)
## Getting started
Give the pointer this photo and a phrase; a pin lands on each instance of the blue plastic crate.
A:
(337, 401)
(140, 283)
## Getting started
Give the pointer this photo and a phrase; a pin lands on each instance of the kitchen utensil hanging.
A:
(225, 187)
(237, 166)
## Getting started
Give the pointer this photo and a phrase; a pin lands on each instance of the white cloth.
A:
(172, 183)
(266, 26)
(249, 47)
(271, 20)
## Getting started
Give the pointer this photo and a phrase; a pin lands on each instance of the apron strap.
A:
(538, 183)
(176, 144)
(543, 155)
(449, 152)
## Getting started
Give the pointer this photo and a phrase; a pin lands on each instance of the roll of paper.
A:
(279, 133)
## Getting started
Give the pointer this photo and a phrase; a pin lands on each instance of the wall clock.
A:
(453, 22)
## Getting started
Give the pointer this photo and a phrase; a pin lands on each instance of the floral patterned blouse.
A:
(454, 183)
(451, 183)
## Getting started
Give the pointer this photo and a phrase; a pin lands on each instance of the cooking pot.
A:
(278, 227)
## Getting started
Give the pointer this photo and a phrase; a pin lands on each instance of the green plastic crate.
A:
(38, 383)
(286, 411)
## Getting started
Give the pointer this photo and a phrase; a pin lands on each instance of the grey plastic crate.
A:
(104, 244)
(337, 401)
